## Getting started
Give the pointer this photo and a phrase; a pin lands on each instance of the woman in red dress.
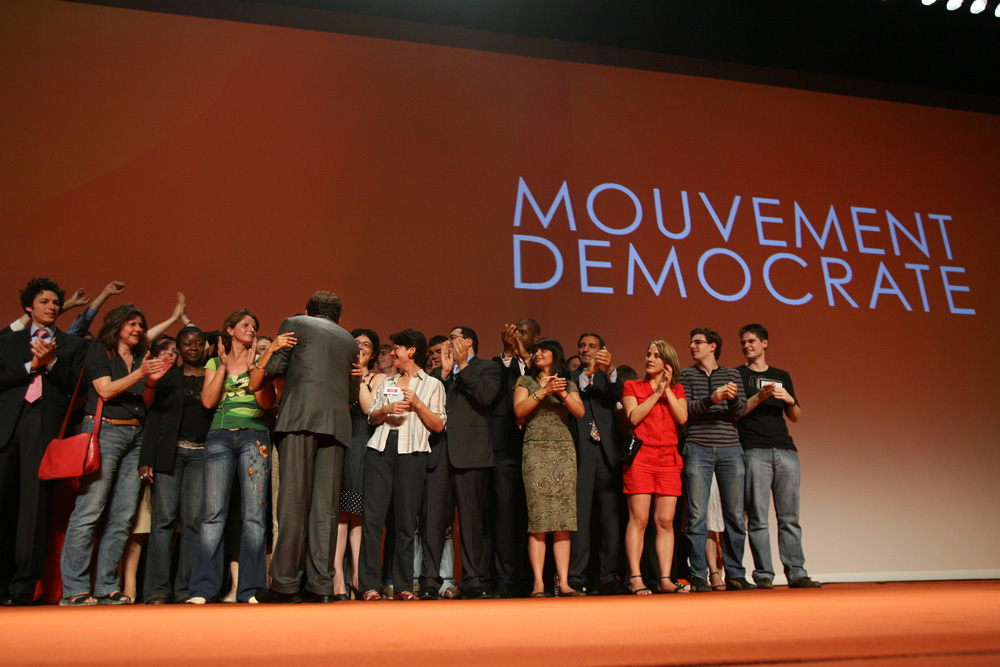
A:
(655, 407)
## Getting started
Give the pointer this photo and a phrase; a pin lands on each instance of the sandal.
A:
(371, 595)
(114, 598)
(716, 576)
(405, 595)
(677, 587)
(78, 600)
(638, 591)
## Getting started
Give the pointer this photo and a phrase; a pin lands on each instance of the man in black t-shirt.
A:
(772, 464)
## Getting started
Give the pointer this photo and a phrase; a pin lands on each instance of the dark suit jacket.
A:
(319, 387)
(57, 384)
(599, 401)
(470, 395)
(505, 436)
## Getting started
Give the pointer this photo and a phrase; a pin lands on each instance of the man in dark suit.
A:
(313, 428)
(460, 466)
(598, 478)
(39, 369)
(510, 512)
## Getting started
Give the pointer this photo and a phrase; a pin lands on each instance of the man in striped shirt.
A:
(715, 399)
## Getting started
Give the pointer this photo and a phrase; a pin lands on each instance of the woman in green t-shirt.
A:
(237, 440)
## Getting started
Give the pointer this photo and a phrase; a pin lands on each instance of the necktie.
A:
(35, 388)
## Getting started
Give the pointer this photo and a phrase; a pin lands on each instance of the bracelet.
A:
(258, 367)
(534, 395)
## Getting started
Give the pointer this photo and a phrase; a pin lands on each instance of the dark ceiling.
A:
(953, 57)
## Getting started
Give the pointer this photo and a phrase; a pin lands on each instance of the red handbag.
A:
(77, 455)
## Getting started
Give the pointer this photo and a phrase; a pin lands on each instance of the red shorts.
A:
(655, 470)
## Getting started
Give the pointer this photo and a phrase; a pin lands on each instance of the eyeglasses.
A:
(699, 342)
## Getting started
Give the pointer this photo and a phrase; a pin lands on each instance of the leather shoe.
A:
(610, 588)
(428, 594)
(156, 601)
(699, 585)
(477, 593)
(765, 585)
(15, 601)
(309, 597)
(271, 596)
(805, 582)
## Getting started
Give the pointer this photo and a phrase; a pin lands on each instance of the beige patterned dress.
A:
(548, 463)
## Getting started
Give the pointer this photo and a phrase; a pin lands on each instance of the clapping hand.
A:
(43, 351)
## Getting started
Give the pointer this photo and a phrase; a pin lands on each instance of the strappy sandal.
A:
(114, 598)
(721, 586)
(78, 600)
(639, 591)
(677, 587)
(371, 595)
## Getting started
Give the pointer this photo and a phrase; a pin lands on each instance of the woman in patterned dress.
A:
(544, 398)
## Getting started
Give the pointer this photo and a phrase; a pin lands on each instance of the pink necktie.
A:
(35, 388)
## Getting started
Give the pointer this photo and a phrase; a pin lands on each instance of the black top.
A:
(101, 362)
(765, 427)
(195, 417)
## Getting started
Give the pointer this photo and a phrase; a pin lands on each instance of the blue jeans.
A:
(726, 463)
(245, 453)
(774, 471)
(117, 478)
(179, 493)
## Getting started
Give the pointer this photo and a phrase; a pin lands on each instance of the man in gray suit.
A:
(314, 427)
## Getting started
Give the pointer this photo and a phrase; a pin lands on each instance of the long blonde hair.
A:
(669, 356)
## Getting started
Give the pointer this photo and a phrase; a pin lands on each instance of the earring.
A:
(410, 355)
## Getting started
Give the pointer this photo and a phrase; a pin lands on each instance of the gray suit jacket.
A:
(319, 387)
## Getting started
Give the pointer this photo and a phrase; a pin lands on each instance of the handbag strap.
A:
(69, 410)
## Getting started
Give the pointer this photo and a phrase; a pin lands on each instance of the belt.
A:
(121, 422)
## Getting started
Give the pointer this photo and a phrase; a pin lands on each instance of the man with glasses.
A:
(772, 463)
(461, 475)
(716, 400)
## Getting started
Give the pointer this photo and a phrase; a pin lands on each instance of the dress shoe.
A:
(504, 591)
(315, 598)
(271, 596)
(341, 597)
(765, 585)
(805, 582)
(739, 584)
(16, 601)
(428, 594)
(156, 601)
(476, 593)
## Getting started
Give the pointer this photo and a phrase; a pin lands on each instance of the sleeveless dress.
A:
(354, 462)
(548, 463)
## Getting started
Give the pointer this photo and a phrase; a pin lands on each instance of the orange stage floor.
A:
(912, 624)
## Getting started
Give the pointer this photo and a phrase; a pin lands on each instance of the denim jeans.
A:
(245, 454)
(180, 493)
(774, 471)
(726, 463)
(117, 478)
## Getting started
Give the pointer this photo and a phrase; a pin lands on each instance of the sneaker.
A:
(196, 601)
(805, 582)
(699, 585)
(765, 585)
(253, 600)
(739, 584)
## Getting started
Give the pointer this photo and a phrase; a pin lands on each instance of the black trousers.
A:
(25, 504)
(312, 468)
(598, 489)
(510, 523)
(448, 487)
(399, 478)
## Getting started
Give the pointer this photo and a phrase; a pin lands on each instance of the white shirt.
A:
(414, 436)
